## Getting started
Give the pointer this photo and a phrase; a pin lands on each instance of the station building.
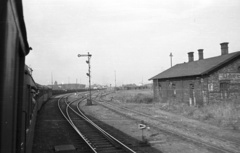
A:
(215, 79)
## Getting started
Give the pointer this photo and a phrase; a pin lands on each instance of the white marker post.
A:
(142, 126)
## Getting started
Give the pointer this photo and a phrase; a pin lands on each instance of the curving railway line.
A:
(213, 143)
(98, 140)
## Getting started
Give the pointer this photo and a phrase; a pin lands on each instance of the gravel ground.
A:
(53, 130)
(158, 139)
(49, 131)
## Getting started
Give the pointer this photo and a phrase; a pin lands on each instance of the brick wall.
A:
(187, 90)
(204, 90)
(233, 92)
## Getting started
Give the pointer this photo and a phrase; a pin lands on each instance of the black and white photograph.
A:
(120, 76)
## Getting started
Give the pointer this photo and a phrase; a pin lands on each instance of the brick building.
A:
(202, 81)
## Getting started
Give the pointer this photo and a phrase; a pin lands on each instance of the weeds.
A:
(141, 98)
(135, 96)
(224, 114)
(227, 113)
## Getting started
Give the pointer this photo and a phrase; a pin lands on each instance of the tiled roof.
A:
(194, 68)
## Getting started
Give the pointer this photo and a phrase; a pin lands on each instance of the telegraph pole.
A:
(115, 79)
(52, 79)
(68, 86)
(171, 55)
(89, 75)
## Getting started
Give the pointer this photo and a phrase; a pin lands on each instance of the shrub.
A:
(140, 98)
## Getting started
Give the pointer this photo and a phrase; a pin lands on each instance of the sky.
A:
(130, 40)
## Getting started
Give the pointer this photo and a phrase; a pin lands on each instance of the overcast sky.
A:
(130, 37)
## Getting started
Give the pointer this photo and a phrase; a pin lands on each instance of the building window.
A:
(191, 86)
(159, 86)
(155, 84)
(224, 86)
(224, 89)
(174, 90)
(210, 87)
(159, 89)
(192, 99)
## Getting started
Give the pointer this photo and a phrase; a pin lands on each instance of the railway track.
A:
(231, 147)
(98, 140)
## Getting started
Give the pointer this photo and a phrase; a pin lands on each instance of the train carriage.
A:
(14, 47)
(18, 108)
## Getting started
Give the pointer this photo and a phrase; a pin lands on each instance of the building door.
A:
(224, 87)
(160, 90)
(192, 100)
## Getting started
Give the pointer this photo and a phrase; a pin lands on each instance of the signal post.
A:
(89, 101)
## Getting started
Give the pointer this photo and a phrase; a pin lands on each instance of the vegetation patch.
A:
(133, 96)
(224, 114)
(140, 98)
(227, 114)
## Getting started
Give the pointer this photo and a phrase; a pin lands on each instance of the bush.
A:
(140, 98)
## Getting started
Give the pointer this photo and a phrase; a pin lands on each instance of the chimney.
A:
(200, 54)
(190, 57)
(224, 48)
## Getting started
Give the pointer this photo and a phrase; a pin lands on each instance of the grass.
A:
(134, 96)
(224, 114)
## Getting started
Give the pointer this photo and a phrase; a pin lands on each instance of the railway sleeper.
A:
(112, 150)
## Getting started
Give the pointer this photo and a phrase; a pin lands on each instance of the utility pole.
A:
(171, 55)
(68, 86)
(89, 102)
(115, 79)
(52, 79)
(76, 87)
